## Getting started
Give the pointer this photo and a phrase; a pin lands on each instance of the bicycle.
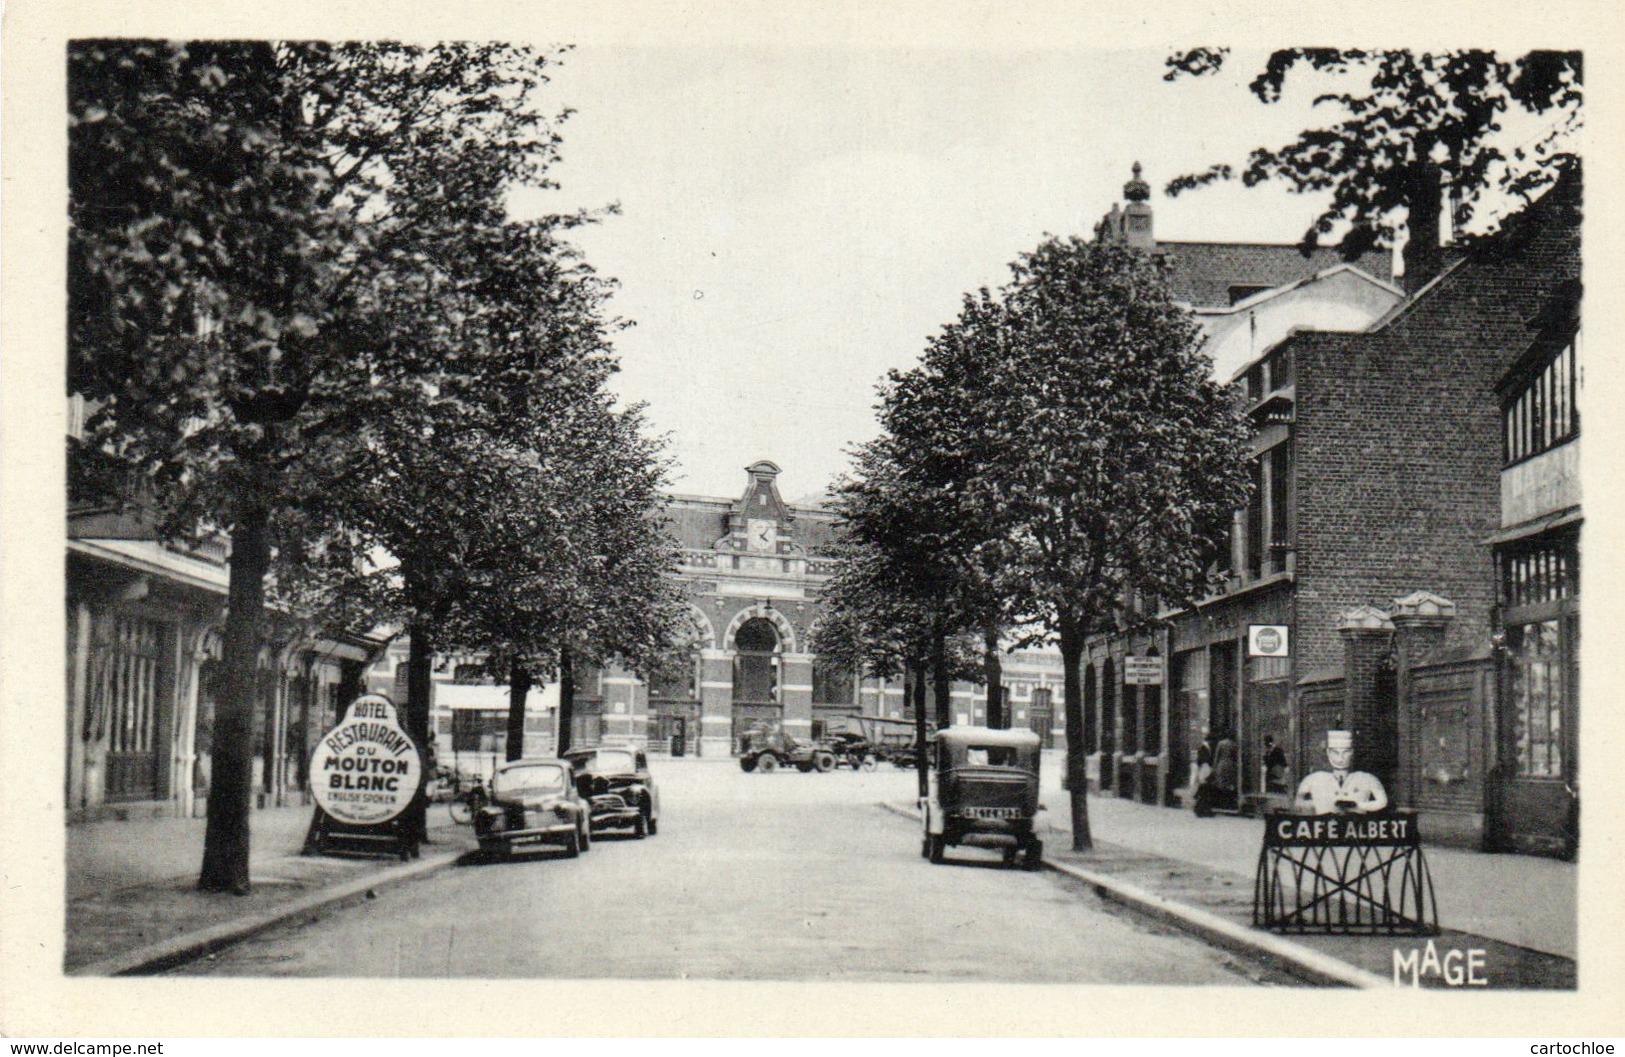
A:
(462, 796)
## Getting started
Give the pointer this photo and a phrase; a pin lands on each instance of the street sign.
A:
(1268, 640)
(367, 769)
(1142, 671)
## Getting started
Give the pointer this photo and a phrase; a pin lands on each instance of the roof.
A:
(1201, 273)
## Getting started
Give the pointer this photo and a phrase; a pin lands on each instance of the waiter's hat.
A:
(1340, 739)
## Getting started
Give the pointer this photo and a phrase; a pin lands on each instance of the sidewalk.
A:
(133, 905)
(1520, 910)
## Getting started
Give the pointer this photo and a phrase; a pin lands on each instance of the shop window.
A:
(1537, 677)
(1544, 572)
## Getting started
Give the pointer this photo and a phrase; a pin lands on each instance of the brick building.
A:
(753, 568)
(1393, 477)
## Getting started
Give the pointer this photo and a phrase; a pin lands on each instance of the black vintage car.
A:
(984, 790)
(533, 801)
(618, 788)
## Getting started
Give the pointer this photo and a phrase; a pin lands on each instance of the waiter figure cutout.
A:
(1340, 791)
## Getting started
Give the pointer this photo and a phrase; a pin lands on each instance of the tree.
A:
(1408, 124)
(1121, 459)
(589, 573)
(260, 193)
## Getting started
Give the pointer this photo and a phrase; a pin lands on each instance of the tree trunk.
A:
(993, 671)
(1422, 255)
(914, 685)
(1077, 768)
(567, 699)
(419, 683)
(518, 689)
(941, 685)
(225, 836)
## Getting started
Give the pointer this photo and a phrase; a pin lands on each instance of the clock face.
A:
(761, 534)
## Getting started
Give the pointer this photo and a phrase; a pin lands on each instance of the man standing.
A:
(1340, 790)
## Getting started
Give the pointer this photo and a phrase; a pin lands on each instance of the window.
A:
(1280, 463)
(1545, 572)
(1537, 676)
(831, 683)
(1541, 414)
(1240, 292)
(1255, 521)
(479, 730)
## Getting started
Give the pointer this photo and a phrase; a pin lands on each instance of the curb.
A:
(1296, 959)
(187, 947)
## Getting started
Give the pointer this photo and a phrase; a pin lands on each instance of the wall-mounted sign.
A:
(1268, 640)
(366, 770)
(1142, 671)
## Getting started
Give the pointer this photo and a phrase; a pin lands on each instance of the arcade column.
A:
(625, 705)
(795, 693)
(716, 704)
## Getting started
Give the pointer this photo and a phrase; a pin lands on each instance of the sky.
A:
(796, 221)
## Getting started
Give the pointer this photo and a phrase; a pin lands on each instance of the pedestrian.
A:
(1274, 766)
(1202, 777)
(1225, 772)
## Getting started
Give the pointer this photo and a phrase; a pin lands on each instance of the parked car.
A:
(533, 801)
(984, 789)
(619, 791)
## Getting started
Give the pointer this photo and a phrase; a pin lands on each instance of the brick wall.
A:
(1398, 435)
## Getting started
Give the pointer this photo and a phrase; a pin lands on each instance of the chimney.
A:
(1424, 196)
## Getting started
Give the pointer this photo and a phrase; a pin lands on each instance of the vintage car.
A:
(618, 789)
(533, 801)
(984, 790)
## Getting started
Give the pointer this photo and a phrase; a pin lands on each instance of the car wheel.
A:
(654, 825)
(824, 762)
(747, 764)
(871, 763)
(805, 767)
(572, 846)
(640, 828)
(767, 763)
(586, 837)
(1011, 854)
(935, 847)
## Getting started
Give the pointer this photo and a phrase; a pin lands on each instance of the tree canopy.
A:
(305, 319)
(1406, 125)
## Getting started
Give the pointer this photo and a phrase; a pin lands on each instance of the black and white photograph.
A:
(808, 512)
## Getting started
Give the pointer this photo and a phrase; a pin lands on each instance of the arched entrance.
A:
(755, 677)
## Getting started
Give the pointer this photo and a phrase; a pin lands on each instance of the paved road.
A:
(759, 877)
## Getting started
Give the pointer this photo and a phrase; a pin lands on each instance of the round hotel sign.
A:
(366, 769)
(1267, 640)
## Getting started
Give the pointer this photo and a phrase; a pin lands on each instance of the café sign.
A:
(367, 769)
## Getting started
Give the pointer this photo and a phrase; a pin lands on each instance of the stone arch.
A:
(705, 632)
(786, 630)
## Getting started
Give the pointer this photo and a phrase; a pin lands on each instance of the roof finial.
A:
(1136, 190)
